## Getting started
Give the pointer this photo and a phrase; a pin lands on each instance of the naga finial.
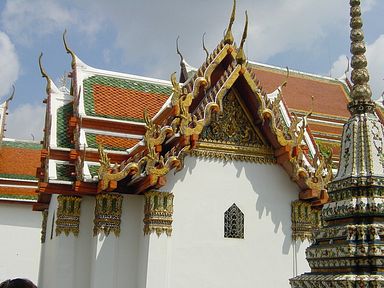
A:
(178, 51)
(361, 93)
(240, 53)
(44, 74)
(12, 94)
(286, 78)
(228, 38)
(205, 48)
(183, 72)
(69, 51)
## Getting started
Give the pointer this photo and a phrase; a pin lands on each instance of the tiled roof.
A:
(18, 193)
(330, 96)
(110, 142)
(65, 172)
(62, 135)
(19, 160)
(93, 169)
(123, 99)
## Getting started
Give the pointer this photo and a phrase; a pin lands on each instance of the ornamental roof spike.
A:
(240, 57)
(69, 51)
(183, 68)
(44, 74)
(361, 93)
(205, 48)
(228, 37)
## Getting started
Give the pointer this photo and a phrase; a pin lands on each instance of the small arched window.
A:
(234, 223)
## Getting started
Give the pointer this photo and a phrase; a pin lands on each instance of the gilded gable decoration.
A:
(68, 215)
(232, 136)
(158, 211)
(200, 121)
(107, 214)
(305, 220)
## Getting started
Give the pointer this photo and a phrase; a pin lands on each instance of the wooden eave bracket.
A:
(317, 198)
(73, 154)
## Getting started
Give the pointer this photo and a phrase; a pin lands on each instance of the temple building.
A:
(19, 226)
(216, 178)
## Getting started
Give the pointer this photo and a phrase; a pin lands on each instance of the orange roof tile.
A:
(12, 191)
(126, 103)
(118, 142)
(19, 161)
(330, 97)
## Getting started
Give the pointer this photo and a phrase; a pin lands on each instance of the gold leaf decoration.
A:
(68, 215)
(107, 214)
(158, 211)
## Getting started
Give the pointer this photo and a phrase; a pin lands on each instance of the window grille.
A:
(234, 223)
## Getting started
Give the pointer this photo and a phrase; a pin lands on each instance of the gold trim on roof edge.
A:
(185, 125)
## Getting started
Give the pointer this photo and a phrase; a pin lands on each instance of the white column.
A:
(157, 261)
(103, 266)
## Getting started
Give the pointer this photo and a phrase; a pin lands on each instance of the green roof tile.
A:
(64, 172)
(93, 170)
(22, 144)
(18, 176)
(63, 114)
(18, 197)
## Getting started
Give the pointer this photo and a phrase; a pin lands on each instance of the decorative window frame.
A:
(234, 223)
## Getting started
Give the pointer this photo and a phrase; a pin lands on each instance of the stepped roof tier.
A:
(18, 162)
(124, 133)
(348, 250)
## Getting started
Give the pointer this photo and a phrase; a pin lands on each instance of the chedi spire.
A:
(348, 250)
(361, 91)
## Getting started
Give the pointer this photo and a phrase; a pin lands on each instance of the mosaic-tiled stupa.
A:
(349, 250)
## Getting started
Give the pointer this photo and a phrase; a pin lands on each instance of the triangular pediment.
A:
(232, 134)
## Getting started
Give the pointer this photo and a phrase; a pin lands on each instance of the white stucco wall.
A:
(88, 261)
(197, 254)
(19, 241)
(202, 257)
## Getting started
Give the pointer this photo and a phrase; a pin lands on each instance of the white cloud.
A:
(25, 20)
(9, 64)
(375, 58)
(367, 5)
(25, 121)
(146, 30)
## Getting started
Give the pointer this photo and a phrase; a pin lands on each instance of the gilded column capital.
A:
(158, 211)
(68, 215)
(108, 210)
(44, 214)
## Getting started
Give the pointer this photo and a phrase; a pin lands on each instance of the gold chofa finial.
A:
(361, 91)
(240, 54)
(69, 51)
(178, 51)
(228, 38)
(205, 48)
(44, 74)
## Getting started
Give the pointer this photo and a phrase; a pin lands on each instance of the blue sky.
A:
(138, 37)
